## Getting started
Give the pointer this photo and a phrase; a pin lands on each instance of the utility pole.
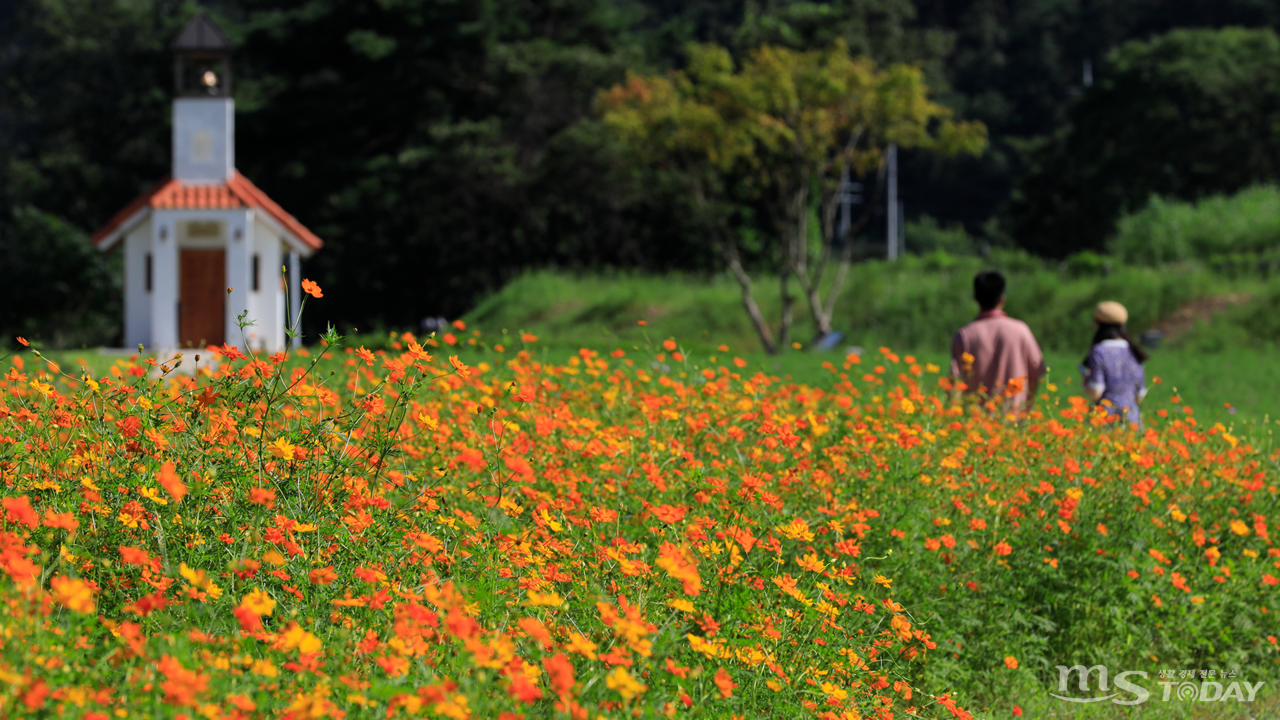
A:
(891, 210)
(900, 247)
(850, 194)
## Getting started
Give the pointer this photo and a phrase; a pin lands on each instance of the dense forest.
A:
(442, 147)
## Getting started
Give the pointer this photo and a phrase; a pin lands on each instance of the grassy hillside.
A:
(914, 303)
(1221, 364)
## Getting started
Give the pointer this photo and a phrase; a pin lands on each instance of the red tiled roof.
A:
(238, 192)
(176, 196)
(255, 198)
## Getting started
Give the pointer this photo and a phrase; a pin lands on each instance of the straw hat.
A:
(1110, 313)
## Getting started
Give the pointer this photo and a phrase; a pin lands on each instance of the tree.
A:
(1020, 68)
(780, 127)
(1186, 115)
(53, 284)
(438, 148)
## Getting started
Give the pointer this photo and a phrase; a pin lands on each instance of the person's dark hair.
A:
(988, 289)
(1112, 331)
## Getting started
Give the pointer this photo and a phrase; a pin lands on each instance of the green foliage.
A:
(1020, 69)
(54, 286)
(1185, 115)
(780, 128)
(1165, 231)
(782, 105)
(927, 235)
(916, 303)
(443, 148)
(420, 139)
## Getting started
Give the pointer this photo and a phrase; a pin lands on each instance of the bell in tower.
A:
(203, 111)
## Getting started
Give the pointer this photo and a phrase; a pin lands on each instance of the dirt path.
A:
(1185, 318)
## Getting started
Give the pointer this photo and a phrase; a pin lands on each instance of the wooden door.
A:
(202, 305)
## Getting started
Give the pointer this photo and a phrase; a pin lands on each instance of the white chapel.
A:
(205, 228)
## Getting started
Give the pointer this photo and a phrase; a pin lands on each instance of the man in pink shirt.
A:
(996, 355)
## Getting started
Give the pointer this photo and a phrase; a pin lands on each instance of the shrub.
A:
(927, 235)
(1215, 228)
(54, 285)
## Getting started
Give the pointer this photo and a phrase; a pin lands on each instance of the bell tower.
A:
(203, 111)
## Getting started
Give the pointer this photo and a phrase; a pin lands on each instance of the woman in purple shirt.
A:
(1113, 368)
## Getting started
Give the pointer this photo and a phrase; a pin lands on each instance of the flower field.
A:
(456, 529)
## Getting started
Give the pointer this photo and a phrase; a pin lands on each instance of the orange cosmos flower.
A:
(35, 695)
(134, 556)
(248, 619)
(230, 352)
(560, 673)
(60, 521)
(72, 593)
(1011, 662)
(18, 510)
(956, 711)
(262, 496)
(811, 563)
(902, 627)
(311, 289)
(724, 682)
(537, 631)
(458, 365)
(416, 351)
(1003, 548)
(23, 341)
(1180, 582)
(522, 689)
(322, 576)
(669, 513)
(181, 686)
(168, 480)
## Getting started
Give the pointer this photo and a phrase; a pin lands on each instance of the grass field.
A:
(916, 302)
(914, 307)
